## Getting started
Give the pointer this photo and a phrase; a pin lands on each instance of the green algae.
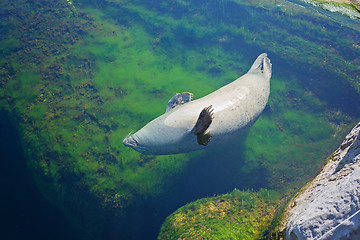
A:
(278, 136)
(77, 100)
(236, 215)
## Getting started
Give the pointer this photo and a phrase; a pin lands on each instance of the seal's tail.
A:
(262, 64)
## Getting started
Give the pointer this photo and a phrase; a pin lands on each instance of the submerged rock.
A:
(350, 8)
(235, 215)
(329, 206)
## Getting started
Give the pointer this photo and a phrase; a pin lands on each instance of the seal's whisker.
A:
(130, 133)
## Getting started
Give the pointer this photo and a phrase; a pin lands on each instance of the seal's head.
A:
(145, 141)
(156, 138)
(133, 142)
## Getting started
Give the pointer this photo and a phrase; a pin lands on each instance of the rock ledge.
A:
(329, 206)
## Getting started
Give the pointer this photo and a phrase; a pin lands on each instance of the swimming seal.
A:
(211, 120)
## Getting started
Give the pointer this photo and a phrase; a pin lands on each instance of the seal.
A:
(214, 119)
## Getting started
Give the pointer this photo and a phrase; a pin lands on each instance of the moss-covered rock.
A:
(237, 215)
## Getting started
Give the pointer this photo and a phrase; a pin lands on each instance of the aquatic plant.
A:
(236, 215)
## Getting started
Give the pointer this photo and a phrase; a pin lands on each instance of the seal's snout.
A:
(130, 142)
(133, 142)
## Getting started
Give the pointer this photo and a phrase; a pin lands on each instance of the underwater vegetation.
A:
(236, 215)
(77, 78)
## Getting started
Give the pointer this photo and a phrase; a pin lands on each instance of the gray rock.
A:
(329, 206)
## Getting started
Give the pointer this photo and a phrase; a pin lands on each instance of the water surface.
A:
(80, 76)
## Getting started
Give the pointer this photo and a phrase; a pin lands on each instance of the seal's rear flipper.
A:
(262, 64)
(178, 99)
(205, 119)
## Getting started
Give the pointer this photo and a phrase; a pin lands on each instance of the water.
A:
(26, 213)
(81, 76)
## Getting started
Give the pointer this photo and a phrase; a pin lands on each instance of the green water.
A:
(79, 82)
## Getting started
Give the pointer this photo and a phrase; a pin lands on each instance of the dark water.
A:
(25, 213)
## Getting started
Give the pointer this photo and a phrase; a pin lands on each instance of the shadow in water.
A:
(216, 171)
(25, 212)
(220, 170)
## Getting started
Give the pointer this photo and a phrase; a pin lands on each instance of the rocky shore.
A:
(350, 8)
(329, 206)
(355, 3)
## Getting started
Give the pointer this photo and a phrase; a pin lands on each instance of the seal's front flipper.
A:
(204, 139)
(205, 119)
(178, 99)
